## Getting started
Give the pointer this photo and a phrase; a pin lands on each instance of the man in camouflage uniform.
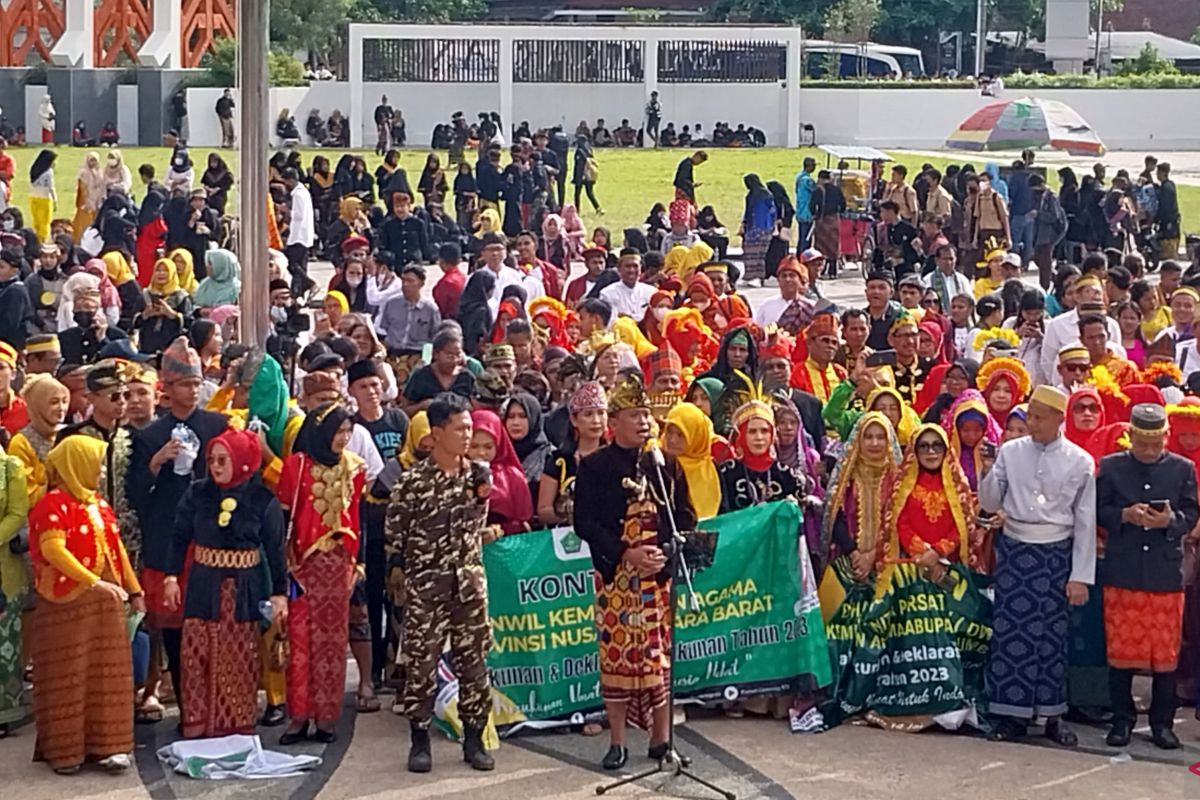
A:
(435, 526)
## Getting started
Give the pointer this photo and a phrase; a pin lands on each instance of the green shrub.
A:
(221, 63)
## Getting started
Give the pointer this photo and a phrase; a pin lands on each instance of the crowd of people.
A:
(251, 513)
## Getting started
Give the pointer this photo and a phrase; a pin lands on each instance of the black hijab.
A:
(536, 437)
(315, 437)
(477, 291)
(754, 187)
(783, 203)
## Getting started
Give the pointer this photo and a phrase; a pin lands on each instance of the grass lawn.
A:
(631, 181)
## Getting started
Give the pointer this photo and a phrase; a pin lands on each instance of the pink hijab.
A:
(510, 503)
(108, 293)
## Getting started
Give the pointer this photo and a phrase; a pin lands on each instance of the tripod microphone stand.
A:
(671, 764)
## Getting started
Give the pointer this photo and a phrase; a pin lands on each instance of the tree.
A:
(221, 63)
(1148, 62)
(424, 10)
(309, 25)
(805, 13)
(1196, 35)
(852, 20)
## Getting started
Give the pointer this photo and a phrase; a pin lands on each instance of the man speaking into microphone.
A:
(623, 515)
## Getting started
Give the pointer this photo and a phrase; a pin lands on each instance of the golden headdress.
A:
(755, 403)
(630, 392)
(991, 334)
(992, 248)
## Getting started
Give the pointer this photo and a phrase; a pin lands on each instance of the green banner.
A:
(916, 651)
(758, 627)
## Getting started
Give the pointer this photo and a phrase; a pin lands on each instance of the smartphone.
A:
(1159, 505)
(882, 358)
(987, 450)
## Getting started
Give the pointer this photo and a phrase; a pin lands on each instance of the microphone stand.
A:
(672, 763)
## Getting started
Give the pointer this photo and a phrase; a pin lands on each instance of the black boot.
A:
(273, 716)
(420, 759)
(473, 751)
(1164, 738)
(615, 758)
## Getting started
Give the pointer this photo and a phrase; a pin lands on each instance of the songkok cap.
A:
(8, 355)
(42, 343)
(1148, 418)
(104, 376)
(180, 362)
(498, 352)
(1051, 397)
(629, 392)
(716, 266)
(1090, 280)
(882, 275)
(590, 395)
(325, 361)
(355, 242)
(594, 250)
(1074, 352)
(364, 368)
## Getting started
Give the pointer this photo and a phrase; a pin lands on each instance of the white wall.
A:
(33, 125)
(127, 114)
(423, 105)
(1126, 119)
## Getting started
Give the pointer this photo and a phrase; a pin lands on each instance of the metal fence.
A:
(577, 61)
(431, 60)
(721, 62)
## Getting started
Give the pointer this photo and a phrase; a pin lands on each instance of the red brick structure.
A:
(121, 26)
(203, 22)
(1175, 18)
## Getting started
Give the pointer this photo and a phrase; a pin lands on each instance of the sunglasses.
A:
(1076, 367)
(928, 303)
(1087, 408)
(931, 447)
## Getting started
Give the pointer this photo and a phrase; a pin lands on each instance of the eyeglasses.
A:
(927, 303)
(905, 335)
(931, 447)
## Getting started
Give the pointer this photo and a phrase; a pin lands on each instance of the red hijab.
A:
(510, 499)
(1184, 418)
(244, 452)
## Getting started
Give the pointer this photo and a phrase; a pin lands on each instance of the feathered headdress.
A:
(992, 248)
(987, 335)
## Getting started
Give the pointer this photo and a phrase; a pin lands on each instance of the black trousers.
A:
(172, 644)
(297, 256)
(1162, 697)
(591, 193)
(376, 563)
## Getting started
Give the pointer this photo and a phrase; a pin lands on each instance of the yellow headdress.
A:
(629, 392)
(755, 404)
(992, 248)
(1005, 365)
(991, 334)
(546, 305)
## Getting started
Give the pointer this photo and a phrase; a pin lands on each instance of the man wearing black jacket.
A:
(16, 310)
(560, 145)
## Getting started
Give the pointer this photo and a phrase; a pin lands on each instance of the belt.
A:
(225, 559)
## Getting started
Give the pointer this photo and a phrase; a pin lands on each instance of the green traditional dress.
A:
(14, 579)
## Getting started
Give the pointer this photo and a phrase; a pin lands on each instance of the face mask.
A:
(9, 224)
(278, 314)
(660, 313)
(84, 319)
(353, 282)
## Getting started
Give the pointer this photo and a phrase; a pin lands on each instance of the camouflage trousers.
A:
(450, 606)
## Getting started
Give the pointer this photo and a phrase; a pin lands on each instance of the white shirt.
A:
(363, 446)
(769, 311)
(629, 301)
(507, 276)
(1064, 329)
(301, 229)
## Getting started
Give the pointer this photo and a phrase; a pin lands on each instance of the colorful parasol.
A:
(1027, 122)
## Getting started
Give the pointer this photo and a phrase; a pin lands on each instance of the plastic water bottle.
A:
(266, 611)
(188, 451)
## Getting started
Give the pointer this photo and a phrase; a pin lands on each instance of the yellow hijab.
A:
(37, 392)
(489, 221)
(699, 253)
(342, 302)
(74, 464)
(117, 267)
(418, 429)
(704, 487)
(909, 419)
(676, 257)
(187, 274)
(170, 285)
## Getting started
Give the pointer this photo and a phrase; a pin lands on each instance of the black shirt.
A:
(225, 107)
(685, 178)
(16, 312)
(424, 385)
(407, 239)
(387, 432)
(80, 346)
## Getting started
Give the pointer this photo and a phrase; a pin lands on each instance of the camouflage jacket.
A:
(435, 521)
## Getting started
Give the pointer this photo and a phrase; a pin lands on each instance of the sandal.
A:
(592, 729)
(366, 704)
(150, 711)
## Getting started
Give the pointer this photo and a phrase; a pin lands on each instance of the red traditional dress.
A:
(83, 684)
(321, 491)
(810, 377)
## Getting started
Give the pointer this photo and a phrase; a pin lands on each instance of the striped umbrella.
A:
(1027, 122)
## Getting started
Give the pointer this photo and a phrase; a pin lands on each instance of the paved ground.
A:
(754, 758)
